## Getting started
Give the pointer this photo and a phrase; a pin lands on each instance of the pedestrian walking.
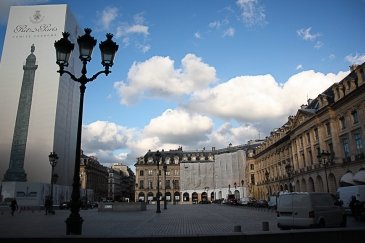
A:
(13, 206)
(47, 205)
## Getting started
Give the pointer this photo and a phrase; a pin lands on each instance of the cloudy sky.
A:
(198, 73)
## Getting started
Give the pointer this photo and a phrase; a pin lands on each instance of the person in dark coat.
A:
(355, 207)
(13, 206)
(47, 205)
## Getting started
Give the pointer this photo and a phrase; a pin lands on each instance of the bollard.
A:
(265, 226)
(237, 228)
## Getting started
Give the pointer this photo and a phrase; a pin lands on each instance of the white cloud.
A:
(355, 59)
(215, 24)
(229, 32)
(332, 56)
(227, 133)
(107, 16)
(197, 35)
(138, 29)
(252, 12)
(306, 35)
(143, 47)
(135, 33)
(318, 44)
(299, 67)
(101, 138)
(159, 78)
(179, 127)
(259, 98)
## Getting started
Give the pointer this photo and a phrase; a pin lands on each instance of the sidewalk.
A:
(177, 220)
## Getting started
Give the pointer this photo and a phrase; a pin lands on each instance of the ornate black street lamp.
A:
(53, 159)
(325, 159)
(64, 48)
(164, 171)
(157, 160)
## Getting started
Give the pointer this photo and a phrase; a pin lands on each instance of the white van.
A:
(309, 209)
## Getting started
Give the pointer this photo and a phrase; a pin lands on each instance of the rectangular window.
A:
(310, 157)
(168, 173)
(252, 166)
(358, 143)
(355, 117)
(167, 184)
(252, 178)
(141, 184)
(308, 138)
(328, 129)
(176, 172)
(346, 147)
(301, 141)
(141, 172)
(316, 134)
(175, 184)
(150, 172)
(150, 185)
(343, 123)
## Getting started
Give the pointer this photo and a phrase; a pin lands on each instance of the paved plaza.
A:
(177, 220)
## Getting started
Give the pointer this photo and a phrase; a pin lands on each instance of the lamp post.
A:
(267, 174)
(64, 48)
(53, 159)
(325, 159)
(207, 189)
(289, 172)
(164, 171)
(157, 159)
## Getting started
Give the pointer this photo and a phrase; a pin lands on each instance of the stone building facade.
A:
(321, 147)
(193, 176)
(93, 177)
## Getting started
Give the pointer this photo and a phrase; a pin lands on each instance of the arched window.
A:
(186, 197)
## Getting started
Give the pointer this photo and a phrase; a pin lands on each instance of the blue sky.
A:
(198, 73)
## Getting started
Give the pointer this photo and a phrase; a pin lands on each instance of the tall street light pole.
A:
(64, 48)
(164, 171)
(325, 158)
(267, 174)
(157, 159)
(53, 159)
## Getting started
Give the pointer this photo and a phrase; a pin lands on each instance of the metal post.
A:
(164, 171)
(158, 210)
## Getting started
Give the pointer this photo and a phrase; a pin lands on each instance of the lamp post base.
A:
(158, 210)
(74, 225)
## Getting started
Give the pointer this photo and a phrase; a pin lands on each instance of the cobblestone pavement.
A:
(177, 220)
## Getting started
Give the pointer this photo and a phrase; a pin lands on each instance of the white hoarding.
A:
(52, 122)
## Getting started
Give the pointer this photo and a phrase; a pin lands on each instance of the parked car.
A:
(244, 201)
(64, 205)
(272, 202)
(309, 209)
(261, 204)
(252, 202)
(94, 204)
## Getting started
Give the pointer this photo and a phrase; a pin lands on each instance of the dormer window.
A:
(355, 116)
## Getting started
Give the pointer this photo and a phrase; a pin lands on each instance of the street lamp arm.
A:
(83, 78)
(62, 71)
(106, 72)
